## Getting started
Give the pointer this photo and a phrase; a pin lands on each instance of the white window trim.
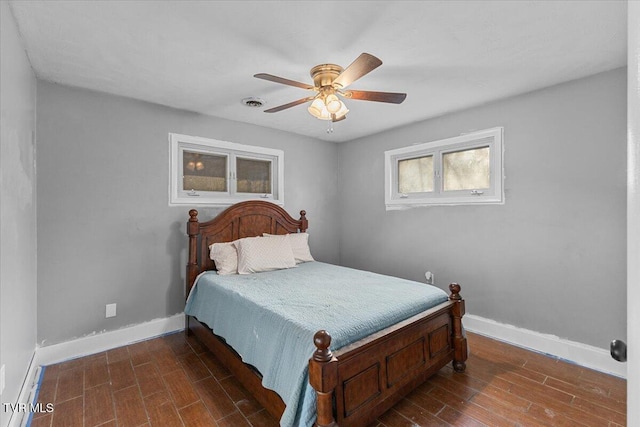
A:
(489, 137)
(177, 143)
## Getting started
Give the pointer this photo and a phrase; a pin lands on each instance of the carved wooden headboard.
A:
(244, 219)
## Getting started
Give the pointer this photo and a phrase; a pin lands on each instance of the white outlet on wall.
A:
(2, 379)
(431, 279)
(111, 310)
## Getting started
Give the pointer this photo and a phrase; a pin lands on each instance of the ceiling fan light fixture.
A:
(342, 111)
(318, 109)
(327, 108)
(333, 103)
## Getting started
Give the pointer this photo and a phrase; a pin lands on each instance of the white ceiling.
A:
(202, 55)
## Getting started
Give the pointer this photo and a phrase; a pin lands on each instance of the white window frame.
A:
(179, 143)
(492, 138)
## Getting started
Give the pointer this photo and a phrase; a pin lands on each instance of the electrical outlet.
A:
(2, 379)
(431, 279)
(111, 310)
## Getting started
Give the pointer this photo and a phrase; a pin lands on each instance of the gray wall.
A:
(105, 231)
(18, 210)
(553, 258)
(545, 261)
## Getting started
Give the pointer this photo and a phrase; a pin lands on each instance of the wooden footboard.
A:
(363, 380)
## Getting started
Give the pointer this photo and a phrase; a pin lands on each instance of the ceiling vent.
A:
(253, 102)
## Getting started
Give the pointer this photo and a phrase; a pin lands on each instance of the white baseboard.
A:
(20, 418)
(105, 341)
(575, 352)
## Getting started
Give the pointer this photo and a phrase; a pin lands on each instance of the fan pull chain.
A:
(330, 127)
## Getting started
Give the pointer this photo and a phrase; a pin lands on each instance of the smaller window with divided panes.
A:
(466, 169)
(211, 172)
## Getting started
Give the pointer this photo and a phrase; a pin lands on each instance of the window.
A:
(212, 172)
(466, 169)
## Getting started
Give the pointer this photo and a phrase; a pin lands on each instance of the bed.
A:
(366, 373)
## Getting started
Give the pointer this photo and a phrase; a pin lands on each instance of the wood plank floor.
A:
(174, 381)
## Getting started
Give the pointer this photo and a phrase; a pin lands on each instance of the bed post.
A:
(459, 340)
(193, 228)
(323, 377)
(304, 224)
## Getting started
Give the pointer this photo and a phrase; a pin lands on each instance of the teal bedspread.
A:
(270, 319)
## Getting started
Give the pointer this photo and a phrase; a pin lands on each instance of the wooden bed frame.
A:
(357, 383)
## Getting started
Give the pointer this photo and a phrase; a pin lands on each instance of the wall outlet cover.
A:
(111, 310)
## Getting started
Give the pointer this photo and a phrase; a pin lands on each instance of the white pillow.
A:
(299, 245)
(225, 256)
(257, 254)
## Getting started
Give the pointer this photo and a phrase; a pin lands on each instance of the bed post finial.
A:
(459, 340)
(323, 377)
(322, 341)
(455, 292)
(304, 224)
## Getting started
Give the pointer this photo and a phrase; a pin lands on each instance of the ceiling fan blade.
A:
(365, 95)
(289, 105)
(337, 119)
(282, 80)
(364, 64)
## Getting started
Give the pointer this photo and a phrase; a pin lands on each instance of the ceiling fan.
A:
(331, 80)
